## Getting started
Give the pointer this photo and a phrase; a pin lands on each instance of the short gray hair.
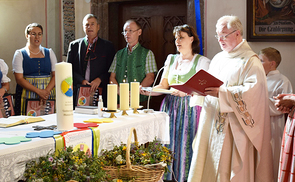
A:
(231, 21)
(88, 16)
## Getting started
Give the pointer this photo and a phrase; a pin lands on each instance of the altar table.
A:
(13, 158)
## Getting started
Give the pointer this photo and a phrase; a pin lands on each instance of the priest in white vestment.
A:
(277, 83)
(233, 138)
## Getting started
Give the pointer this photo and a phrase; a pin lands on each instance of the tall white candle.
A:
(124, 96)
(112, 96)
(64, 96)
(134, 95)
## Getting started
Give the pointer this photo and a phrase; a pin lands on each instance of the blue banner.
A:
(199, 24)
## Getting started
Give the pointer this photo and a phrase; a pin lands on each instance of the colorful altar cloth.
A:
(13, 158)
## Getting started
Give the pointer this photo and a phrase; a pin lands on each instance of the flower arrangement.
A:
(66, 165)
(146, 155)
(75, 165)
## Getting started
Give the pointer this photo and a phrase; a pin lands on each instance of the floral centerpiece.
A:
(152, 156)
(66, 165)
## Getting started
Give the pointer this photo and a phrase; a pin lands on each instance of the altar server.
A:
(277, 83)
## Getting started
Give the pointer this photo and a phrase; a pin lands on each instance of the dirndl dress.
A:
(183, 125)
(184, 122)
(37, 71)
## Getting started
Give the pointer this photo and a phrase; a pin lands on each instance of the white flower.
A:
(119, 159)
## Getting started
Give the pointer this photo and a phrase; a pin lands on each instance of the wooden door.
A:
(157, 19)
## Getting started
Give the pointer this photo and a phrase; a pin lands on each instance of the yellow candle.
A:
(64, 96)
(134, 95)
(124, 96)
(112, 97)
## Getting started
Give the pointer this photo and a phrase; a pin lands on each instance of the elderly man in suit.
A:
(91, 58)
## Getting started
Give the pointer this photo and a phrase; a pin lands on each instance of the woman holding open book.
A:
(34, 70)
(183, 118)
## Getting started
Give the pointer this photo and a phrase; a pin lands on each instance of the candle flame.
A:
(111, 82)
(124, 81)
(134, 80)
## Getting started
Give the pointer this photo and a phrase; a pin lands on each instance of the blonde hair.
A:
(272, 54)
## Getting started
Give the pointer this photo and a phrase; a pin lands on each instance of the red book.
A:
(198, 82)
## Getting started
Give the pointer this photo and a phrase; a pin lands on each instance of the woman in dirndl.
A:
(183, 118)
(34, 70)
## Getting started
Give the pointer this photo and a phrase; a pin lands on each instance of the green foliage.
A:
(153, 153)
(66, 165)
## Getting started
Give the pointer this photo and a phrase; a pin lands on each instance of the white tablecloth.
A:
(14, 157)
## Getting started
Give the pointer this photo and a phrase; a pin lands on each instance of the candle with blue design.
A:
(64, 96)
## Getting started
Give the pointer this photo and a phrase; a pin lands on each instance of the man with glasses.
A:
(233, 138)
(91, 58)
(134, 62)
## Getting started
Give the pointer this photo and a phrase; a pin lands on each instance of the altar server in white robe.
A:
(277, 83)
(233, 138)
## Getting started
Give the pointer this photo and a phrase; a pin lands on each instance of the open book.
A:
(18, 120)
(198, 82)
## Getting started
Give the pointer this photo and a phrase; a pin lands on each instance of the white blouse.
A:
(184, 66)
(17, 62)
(4, 70)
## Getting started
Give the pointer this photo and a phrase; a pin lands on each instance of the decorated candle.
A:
(64, 96)
(124, 96)
(112, 97)
(134, 94)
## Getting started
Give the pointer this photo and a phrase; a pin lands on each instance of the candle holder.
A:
(124, 113)
(112, 113)
(135, 111)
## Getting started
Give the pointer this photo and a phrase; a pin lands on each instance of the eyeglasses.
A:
(223, 37)
(129, 31)
(35, 35)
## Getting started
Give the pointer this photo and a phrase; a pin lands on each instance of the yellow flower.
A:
(144, 154)
(124, 148)
(119, 180)
(163, 158)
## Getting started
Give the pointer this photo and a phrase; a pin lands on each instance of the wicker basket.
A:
(140, 173)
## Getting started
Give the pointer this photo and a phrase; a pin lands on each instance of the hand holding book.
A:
(198, 83)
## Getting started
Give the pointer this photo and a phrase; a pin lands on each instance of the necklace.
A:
(35, 53)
